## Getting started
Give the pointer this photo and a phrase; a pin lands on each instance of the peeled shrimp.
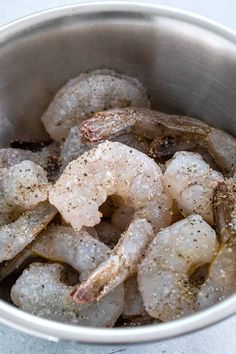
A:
(40, 291)
(25, 185)
(82, 252)
(111, 168)
(88, 93)
(190, 182)
(121, 264)
(177, 132)
(15, 236)
(221, 280)
(163, 275)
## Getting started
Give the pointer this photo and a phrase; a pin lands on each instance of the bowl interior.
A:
(186, 69)
(187, 66)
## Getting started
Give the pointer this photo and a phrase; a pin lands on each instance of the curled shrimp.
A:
(40, 291)
(111, 169)
(190, 181)
(83, 253)
(15, 236)
(163, 275)
(88, 93)
(221, 280)
(171, 133)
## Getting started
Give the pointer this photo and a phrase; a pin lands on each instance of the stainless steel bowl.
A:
(188, 65)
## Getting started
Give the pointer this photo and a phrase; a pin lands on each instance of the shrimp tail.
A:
(99, 282)
(102, 125)
(121, 264)
(223, 206)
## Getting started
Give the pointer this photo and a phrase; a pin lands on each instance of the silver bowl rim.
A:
(53, 330)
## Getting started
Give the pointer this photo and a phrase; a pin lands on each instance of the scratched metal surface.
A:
(217, 339)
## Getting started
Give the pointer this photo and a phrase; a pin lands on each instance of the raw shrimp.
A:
(84, 253)
(48, 158)
(133, 305)
(25, 185)
(163, 275)
(111, 168)
(62, 244)
(121, 264)
(172, 132)
(191, 182)
(88, 93)
(221, 280)
(16, 236)
(40, 291)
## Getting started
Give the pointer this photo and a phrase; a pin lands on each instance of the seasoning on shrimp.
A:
(185, 133)
(221, 279)
(191, 182)
(15, 236)
(163, 275)
(40, 291)
(111, 169)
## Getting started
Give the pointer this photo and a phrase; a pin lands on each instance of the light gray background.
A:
(220, 339)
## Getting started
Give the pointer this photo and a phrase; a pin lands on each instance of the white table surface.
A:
(219, 339)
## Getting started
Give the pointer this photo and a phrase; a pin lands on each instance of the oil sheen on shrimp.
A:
(190, 182)
(88, 93)
(163, 275)
(111, 168)
(178, 132)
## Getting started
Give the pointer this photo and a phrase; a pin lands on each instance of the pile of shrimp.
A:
(127, 217)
